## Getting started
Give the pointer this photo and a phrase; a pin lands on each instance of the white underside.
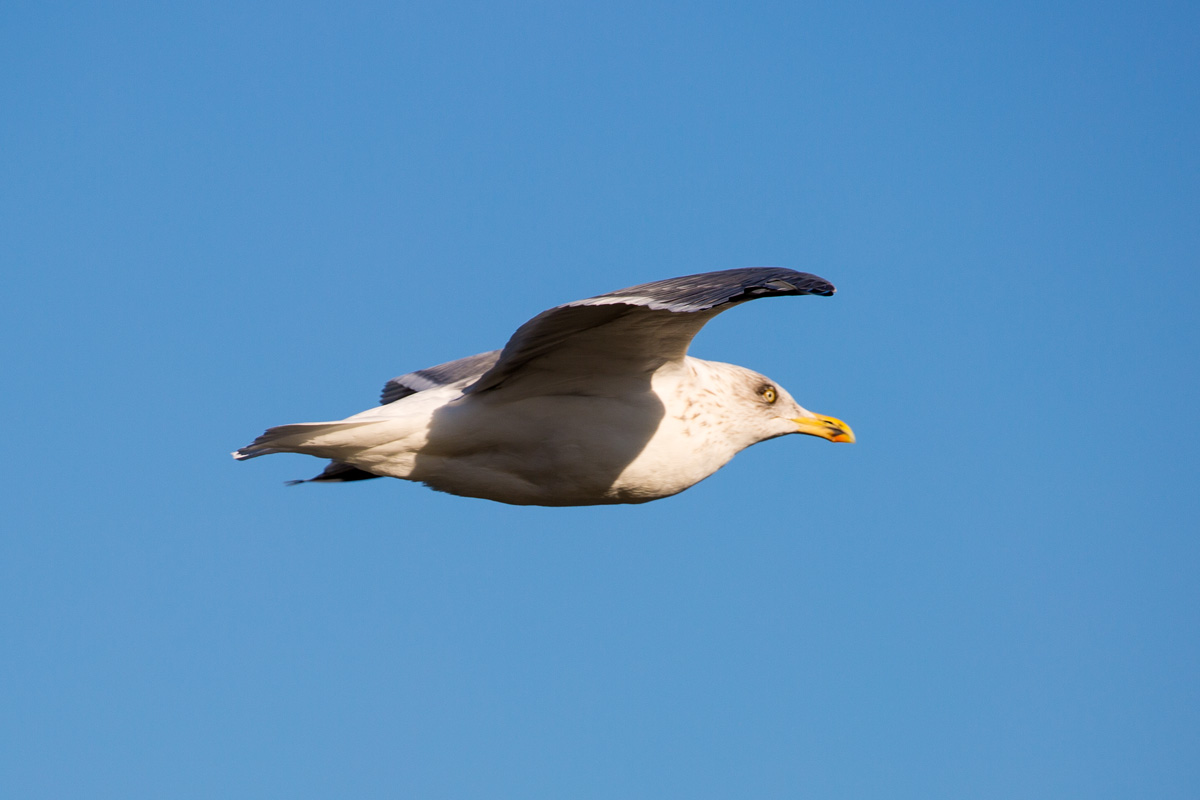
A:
(616, 446)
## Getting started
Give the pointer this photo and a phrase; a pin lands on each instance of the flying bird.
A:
(592, 402)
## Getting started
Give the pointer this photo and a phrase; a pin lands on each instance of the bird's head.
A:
(774, 412)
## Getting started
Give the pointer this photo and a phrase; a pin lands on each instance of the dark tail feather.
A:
(337, 472)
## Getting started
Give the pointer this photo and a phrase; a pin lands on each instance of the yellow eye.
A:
(768, 394)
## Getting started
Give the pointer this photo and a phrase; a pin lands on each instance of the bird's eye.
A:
(768, 394)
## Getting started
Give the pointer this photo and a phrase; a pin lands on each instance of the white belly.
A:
(570, 449)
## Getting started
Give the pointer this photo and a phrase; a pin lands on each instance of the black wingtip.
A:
(807, 283)
(707, 290)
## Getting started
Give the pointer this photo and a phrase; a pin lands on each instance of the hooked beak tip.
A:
(829, 428)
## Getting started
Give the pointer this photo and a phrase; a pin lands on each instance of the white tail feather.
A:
(321, 439)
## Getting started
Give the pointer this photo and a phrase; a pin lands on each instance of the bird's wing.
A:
(441, 375)
(631, 332)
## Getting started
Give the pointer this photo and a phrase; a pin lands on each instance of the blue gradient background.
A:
(219, 217)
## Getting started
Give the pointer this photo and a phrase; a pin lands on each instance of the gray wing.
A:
(441, 375)
(631, 332)
(337, 472)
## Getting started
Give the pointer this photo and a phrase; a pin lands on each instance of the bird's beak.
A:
(826, 427)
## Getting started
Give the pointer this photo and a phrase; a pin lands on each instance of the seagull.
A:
(591, 402)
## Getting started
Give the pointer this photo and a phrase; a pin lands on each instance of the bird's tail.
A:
(321, 439)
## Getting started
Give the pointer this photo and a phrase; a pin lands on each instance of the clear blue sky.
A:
(222, 216)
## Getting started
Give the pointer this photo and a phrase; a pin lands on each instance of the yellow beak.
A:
(826, 427)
